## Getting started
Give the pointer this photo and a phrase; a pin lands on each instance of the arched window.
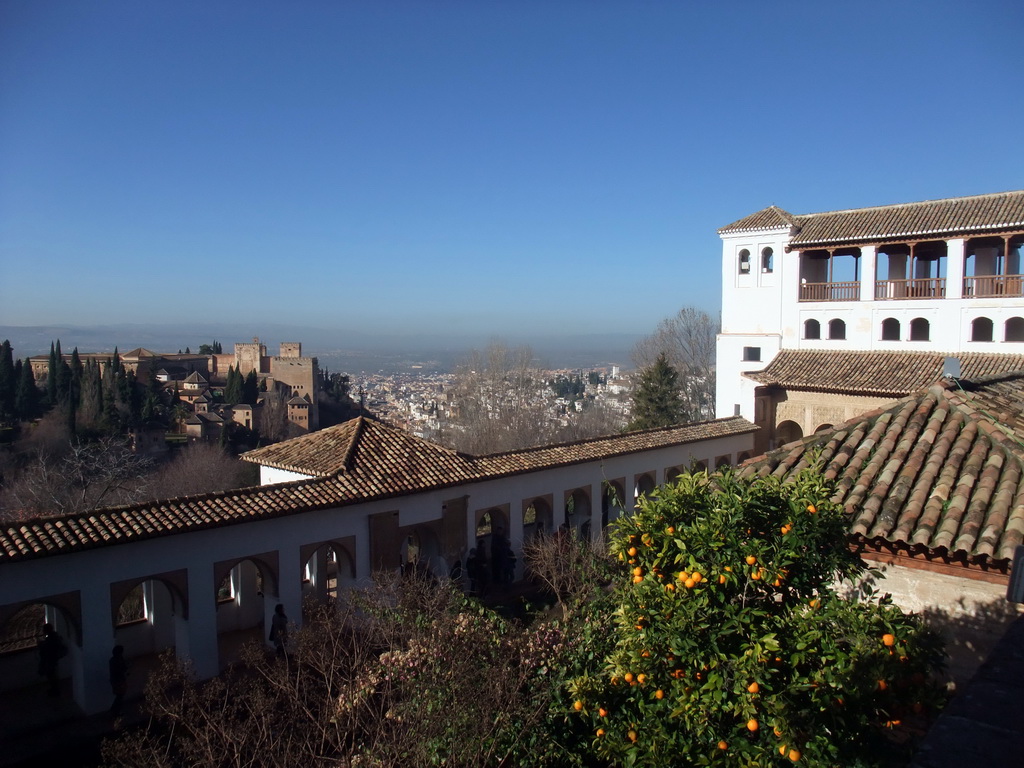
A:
(766, 260)
(981, 329)
(744, 262)
(890, 329)
(1014, 330)
(787, 432)
(836, 329)
(920, 329)
(812, 329)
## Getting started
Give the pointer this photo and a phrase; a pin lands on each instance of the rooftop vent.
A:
(951, 368)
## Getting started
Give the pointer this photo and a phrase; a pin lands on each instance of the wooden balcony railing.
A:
(830, 291)
(914, 288)
(984, 286)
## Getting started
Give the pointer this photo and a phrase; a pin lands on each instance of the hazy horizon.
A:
(337, 350)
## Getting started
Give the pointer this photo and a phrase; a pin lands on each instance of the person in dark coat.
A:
(118, 679)
(51, 651)
(503, 559)
(279, 629)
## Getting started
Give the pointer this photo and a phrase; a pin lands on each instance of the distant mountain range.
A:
(337, 350)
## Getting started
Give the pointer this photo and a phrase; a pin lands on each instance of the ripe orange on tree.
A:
(888, 640)
(753, 725)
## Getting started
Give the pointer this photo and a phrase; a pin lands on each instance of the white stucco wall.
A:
(88, 574)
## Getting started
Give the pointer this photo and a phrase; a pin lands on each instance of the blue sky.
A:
(513, 168)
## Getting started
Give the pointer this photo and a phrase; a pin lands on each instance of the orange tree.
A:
(733, 646)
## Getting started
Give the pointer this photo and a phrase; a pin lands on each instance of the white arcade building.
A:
(940, 276)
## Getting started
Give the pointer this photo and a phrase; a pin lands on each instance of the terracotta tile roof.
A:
(935, 472)
(358, 461)
(617, 445)
(771, 217)
(360, 442)
(876, 373)
(934, 219)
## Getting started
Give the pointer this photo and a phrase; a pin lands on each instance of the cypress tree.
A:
(27, 398)
(63, 376)
(90, 410)
(75, 391)
(51, 377)
(111, 417)
(233, 389)
(8, 382)
(251, 389)
(657, 399)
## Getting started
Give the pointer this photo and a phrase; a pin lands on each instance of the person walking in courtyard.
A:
(118, 679)
(279, 629)
(51, 651)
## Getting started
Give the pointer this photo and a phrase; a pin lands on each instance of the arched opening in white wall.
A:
(837, 329)
(890, 329)
(328, 572)
(145, 625)
(577, 512)
(1014, 330)
(981, 329)
(537, 519)
(20, 636)
(822, 428)
(245, 589)
(699, 465)
(644, 485)
(920, 329)
(612, 501)
(812, 329)
(787, 432)
(743, 456)
(671, 474)
(767, 260)
(421, 551)
(744, 262)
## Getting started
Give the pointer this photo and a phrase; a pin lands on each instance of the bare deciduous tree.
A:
(405, 673)
(499, 402)
(198, 468)
(687, 340)
(274, 416)
(570, 567)
(87, 475)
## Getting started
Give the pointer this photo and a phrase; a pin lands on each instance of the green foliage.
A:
(211, 349)
(733, 643)
(51, 374)
(657, 399)
(250, 388)
(27, 397)
(8, 383)
(233, 388)
(569, 387)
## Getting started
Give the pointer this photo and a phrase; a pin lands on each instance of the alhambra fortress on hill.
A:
(190, 376)
(836, 329)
